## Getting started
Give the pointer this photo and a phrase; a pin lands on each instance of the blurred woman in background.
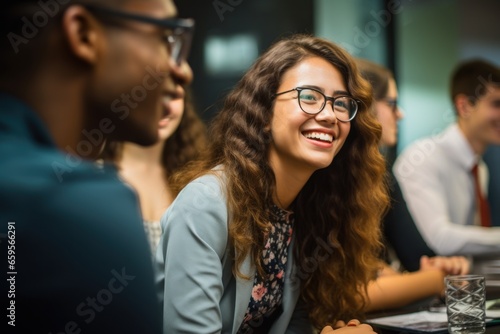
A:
(392, 288)
(148, 169)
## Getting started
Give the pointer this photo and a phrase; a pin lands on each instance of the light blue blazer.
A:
(198, 290)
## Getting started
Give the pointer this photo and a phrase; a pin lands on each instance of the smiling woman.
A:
(279, 179)
(308, 132)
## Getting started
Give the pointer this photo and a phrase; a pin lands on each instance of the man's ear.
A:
(463, 105)
(83, 33)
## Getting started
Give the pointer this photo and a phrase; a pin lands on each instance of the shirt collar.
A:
(460, 148)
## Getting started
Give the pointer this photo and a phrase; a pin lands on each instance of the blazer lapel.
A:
(291, 294)
(243, 292)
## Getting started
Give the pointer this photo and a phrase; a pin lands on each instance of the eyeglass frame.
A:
(327, 98)
(180, 27)
(392, 103)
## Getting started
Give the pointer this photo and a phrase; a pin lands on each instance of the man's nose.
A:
(182, 74)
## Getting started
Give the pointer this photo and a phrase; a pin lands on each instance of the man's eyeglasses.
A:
(178, 32)
(313, 101)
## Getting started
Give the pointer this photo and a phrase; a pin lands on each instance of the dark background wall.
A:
(243, 29)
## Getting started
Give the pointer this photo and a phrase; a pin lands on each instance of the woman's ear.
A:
(83, 33)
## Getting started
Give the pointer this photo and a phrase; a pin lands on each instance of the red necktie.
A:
(484, 207)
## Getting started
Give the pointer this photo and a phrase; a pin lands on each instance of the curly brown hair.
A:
(184, 145)
(340, 207)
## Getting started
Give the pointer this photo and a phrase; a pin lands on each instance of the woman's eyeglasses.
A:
(313, 101)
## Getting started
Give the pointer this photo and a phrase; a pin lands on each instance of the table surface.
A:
(492, 292)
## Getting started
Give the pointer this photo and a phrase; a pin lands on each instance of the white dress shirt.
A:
(438, 186)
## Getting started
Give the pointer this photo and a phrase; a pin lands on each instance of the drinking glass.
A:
(465, 304)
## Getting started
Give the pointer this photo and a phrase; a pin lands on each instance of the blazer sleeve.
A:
(189, 258)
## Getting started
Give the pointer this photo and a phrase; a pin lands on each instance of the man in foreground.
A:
(75, 75)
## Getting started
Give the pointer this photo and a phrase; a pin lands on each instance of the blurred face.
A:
(173, 110)
(481, 120)
(388, 114)
(136, 75)
(309, 142)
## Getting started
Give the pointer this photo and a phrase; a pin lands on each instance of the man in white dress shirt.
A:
(435, 173)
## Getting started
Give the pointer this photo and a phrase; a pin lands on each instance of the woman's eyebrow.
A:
(341, 92)
(336, 92)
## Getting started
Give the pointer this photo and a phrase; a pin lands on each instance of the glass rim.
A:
(464, 277)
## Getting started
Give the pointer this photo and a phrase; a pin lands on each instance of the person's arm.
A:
(393, 291)
(387, 270)
(428, 200)
(190, 255)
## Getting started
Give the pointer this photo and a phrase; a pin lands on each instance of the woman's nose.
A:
(327, 114)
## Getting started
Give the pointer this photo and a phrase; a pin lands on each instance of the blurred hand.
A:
(452, 265)
(353, 326)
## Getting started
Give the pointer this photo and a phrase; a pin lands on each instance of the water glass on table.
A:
(465, 304)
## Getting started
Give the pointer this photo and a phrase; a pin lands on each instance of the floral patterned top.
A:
(267, 295)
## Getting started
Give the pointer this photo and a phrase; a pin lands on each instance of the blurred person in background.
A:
(148, 170)
(402, 238)
(444, 179)
(392, 288)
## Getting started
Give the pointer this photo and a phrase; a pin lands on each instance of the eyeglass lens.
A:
(179, 44)
(392, 103)
(312, 102)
